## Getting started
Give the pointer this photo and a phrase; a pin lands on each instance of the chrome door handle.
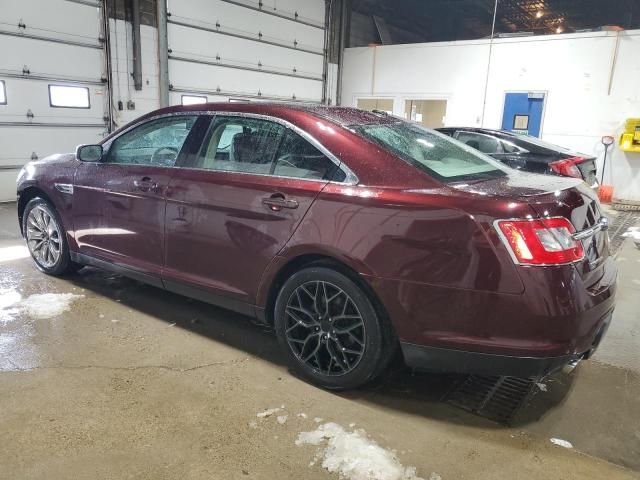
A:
(277, 202)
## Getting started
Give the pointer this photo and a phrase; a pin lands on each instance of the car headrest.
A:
(473, 144)
(243, 147)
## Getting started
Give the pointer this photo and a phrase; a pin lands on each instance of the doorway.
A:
(429, 113)
(523, 113)
(382, 104)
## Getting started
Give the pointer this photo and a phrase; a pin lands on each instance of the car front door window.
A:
(157, 142)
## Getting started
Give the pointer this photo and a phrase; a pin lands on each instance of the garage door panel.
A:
(243, 20)
(204, 77)
(56, 18)
(59, 45)
(313, 11)
(24, 95)
(48, 58)
(18, 143)
(192, 43)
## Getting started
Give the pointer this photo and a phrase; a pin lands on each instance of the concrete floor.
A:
(135, 382)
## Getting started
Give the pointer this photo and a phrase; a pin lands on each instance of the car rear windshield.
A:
(439, 155)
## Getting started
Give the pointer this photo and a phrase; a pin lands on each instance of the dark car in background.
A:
(352, 233)
(527, 153)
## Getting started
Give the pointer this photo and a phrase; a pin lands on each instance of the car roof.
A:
(336, 114)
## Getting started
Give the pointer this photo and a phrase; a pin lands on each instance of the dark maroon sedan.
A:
(353, 233)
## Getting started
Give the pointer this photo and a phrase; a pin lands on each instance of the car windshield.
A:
(439, 155)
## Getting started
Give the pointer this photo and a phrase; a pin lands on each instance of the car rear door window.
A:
(239, 144)
(297, 158)
(157, 142)
(484, 143)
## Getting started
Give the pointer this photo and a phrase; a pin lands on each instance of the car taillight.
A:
(546, 241)
(568, 166)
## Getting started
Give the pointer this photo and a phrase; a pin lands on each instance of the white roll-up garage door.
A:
(53, 90)
(226, 49)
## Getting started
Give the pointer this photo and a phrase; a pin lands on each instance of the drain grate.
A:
(492, 397)
(620, 223)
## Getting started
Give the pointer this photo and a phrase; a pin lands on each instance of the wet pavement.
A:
(135, 382)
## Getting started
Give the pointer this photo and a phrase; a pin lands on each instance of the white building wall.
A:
(574, 70)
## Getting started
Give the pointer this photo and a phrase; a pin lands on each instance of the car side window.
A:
(484, 143)
(509, 147)
(157, 142)
(238, 144)
(297, 158)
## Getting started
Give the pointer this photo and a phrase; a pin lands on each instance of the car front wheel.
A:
(46, 238)
(330, 330)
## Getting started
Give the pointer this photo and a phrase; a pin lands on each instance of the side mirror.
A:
(89, 153)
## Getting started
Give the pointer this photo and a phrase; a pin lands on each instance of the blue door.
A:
(523, 113)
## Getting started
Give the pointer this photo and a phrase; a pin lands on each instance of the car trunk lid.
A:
(555, 196)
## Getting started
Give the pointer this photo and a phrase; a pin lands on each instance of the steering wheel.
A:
(165, 155)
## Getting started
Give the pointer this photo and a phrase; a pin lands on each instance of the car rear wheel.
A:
(46, 238)
(329, 329)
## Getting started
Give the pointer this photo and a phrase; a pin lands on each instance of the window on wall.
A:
(3, 93)
(66, 96)
(193, 99)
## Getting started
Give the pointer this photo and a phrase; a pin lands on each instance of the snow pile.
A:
(562, 443)
(270, 411)
(282, 419)
(634, 234)
(354, 456)
(9, 298)
(48, 305)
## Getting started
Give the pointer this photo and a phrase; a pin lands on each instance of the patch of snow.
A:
(561, 443)
(9, 299)
(351, 425)
(302, 415)
(13, 252)
(253, 424)
(636, 281)
(282, 419)
(633, 232)
(37, 306)
(101, 315)
(434, 476)
(541, 386)
(354, 456)
(317, 419)
(114, 320)
(268, 412)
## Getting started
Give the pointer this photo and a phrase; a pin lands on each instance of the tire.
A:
(51, 256)
(339, 348)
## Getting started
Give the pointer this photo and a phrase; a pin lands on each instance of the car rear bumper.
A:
(436, 359)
